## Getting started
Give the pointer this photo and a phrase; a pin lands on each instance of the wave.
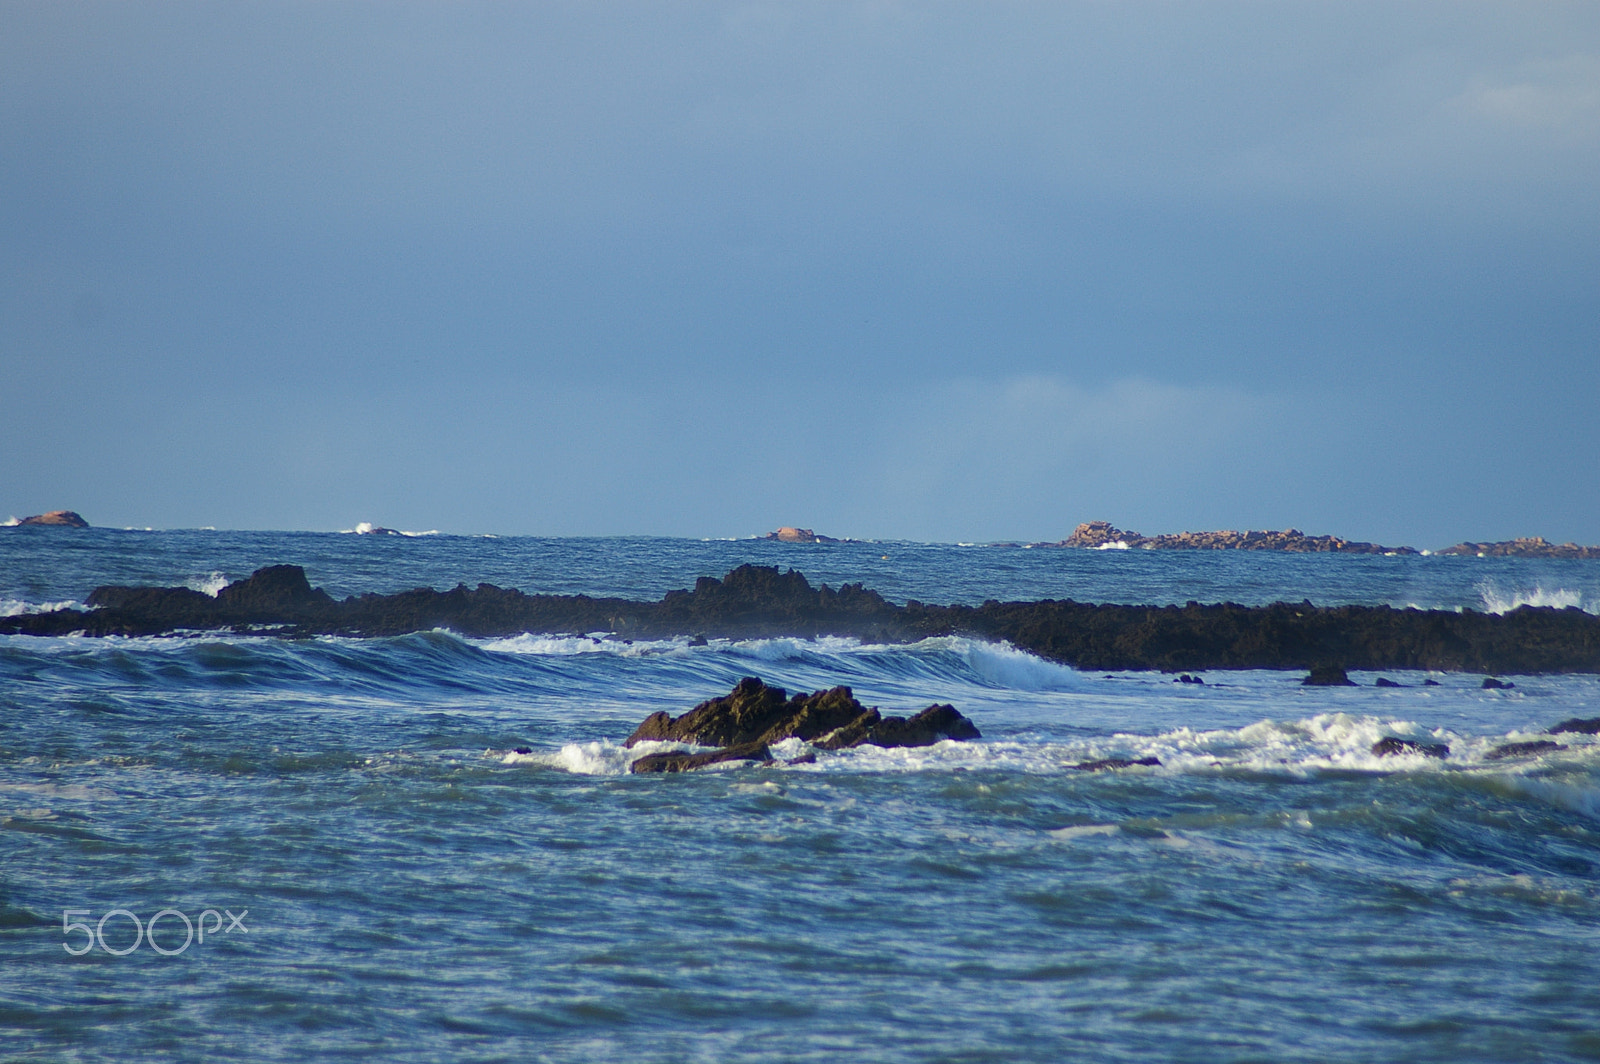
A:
(367, 528)
(209, 584)
(1335, 743)
(10, 607)
(1497, 600)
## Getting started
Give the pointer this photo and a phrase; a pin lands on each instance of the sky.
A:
(934, 271)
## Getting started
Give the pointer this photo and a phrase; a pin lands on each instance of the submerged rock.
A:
(1115, 762)
(1492, 684)
(1384, 681)
(684, 762)
(1537, 746)
(1328, 676)
(744, 722)
(1391, 746)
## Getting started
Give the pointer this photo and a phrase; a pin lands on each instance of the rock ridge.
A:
(762, 602)
(1102, 535)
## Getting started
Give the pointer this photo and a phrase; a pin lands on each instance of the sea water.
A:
(219, 847)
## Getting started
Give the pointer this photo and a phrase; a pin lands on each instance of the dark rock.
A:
(1492, 684)
(1384, 681)
(1186, 678)
(679, 762)
(1430, 682)
(1578, 726)
(1115, 762)
(699, 641)
(761, 601)
(1327, 676)
(276, 587)
(56, 518)
(754, 715)
(1392, 747)
(1537, 746)
(524, 750)
(753, 712)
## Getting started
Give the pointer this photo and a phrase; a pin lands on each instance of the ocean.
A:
(231, 847)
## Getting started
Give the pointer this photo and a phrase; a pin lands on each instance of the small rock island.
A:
(746, 721)
(56, 518)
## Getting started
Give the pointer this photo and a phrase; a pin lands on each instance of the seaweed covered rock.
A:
(745, 721)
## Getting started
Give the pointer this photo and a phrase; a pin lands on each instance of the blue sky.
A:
(932, 271)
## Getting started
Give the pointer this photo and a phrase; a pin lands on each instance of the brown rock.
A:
(59, 518)
(1524, 547)
(787, 534)
(1097, 534)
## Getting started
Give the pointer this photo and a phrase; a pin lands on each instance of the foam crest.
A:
(1498, 600)
(10, 607)
(570, 645)
(209, 584)
(602, 758)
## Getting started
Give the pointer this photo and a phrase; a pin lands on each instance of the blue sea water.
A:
(408, 886)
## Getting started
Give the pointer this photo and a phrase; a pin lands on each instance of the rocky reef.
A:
(746, 721)
(760, 601)
(58, 518)
(1524, 547)
(1101, 535)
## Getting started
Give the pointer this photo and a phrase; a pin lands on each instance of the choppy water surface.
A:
(418, 890)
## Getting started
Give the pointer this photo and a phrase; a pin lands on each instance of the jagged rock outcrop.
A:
(1524, 547)
(1100, 535)
(747, 720)
(58, 518)
(760, 601)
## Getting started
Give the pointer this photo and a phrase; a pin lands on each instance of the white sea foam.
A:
(1327, 742)
(209, 584)
(367, 528)
(11, 522)
(569, 645)
(1498, 600)
(603, 758)
(10, 607)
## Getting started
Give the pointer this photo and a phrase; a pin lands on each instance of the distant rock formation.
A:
(58, 518)
(752, 716)
(1524, 547)
(787, 534)
(1102, 535)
